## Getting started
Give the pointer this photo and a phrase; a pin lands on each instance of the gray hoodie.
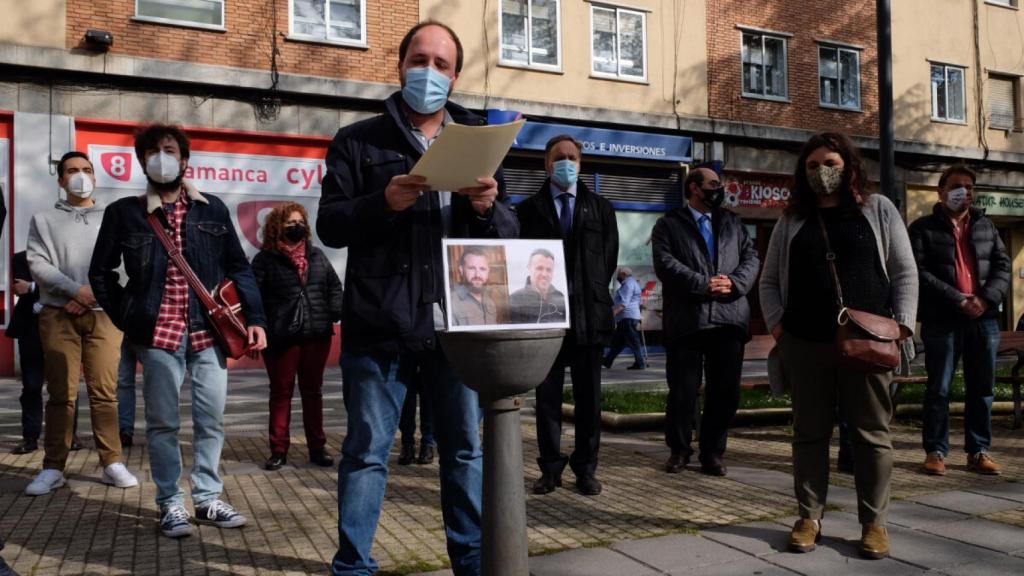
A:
(60, 243)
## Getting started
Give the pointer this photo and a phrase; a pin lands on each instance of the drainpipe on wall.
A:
(886, 137)
(979, 79)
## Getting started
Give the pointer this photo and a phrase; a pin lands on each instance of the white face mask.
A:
(955, 199)
(79, 184)
(163, 168)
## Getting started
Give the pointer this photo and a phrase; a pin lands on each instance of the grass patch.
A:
(914, 393)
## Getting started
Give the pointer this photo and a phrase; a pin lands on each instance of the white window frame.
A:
(293, 35)
(186, 23)
(618, 38)
(963, 95)
(839, 48)
(529, 40)
(1003, 3)
(784, 38)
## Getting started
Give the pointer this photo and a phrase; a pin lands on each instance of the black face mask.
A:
(714, 198)
(295, 233)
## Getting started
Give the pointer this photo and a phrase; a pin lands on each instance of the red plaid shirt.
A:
(172, 320)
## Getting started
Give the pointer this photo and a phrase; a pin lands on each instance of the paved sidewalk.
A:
(645, 522)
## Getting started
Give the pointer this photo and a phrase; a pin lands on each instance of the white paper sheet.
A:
(461, 154)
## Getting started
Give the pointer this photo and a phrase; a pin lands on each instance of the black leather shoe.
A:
(74, 444)
(275, 461)
(713, 466)
(547, 483)
(126, 440)
(407, 455)
(26, 447)
(426, 454)
(321, 458)
(636, 367)
(588, 485)
(676, 463)
(606, 363)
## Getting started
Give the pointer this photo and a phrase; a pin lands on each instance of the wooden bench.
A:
(1009, 343)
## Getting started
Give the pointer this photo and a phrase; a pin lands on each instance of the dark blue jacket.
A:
(393, 274)
(212, 250)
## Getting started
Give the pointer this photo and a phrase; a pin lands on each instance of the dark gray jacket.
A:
(931, 238)
(683, 265)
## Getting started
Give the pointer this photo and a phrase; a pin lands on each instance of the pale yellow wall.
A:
(926, 30)
(666, 21)
(1002, 49)
(33, 22)
(920, 201)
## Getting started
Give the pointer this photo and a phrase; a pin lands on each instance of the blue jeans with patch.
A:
(944, 343)
(163, 373)
(374, 387)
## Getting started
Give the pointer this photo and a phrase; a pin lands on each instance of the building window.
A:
(1002, 102)
(948, 95)
(839, 77)
(205, 13)
(336, 21)
(1010, 3)
(618, 42)
(764, 66)
(530, 33)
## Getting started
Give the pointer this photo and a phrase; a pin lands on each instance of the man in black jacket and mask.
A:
(565, 208)
(965, 275)
(707, 264)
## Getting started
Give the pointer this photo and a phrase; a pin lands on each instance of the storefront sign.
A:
(756, 190)
(599, 141)
(999, 203)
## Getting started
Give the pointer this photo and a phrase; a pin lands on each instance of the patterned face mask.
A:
(825, 180)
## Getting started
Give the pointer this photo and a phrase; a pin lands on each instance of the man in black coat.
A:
(565, 208)
(707, 264)
(965, 275)
(24, 327)
(392, 224)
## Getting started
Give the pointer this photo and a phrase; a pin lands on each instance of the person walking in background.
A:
(407, 425)
(965, 276)
(75, 330)
(565, 208)
(126, 394)
(707, 264)
(302, 297)
(24, 327)
(876, 273)
(167, 324)
(626, 308)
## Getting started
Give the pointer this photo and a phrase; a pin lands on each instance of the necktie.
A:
(565, 218)
(709, 239)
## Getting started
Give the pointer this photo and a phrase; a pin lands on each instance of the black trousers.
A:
(584, 362)
(30, 352)
(716, 354)
(625, 333)
(407, 421)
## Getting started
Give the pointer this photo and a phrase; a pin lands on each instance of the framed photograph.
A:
(505, 285)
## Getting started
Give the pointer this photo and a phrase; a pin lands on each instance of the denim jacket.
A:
(212, 250)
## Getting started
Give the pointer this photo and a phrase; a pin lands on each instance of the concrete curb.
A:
(656, 420)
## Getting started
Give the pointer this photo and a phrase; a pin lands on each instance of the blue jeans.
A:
(625, 333)
(163, 372)
(407, 422)
(126, 389)
(374, 387)
(944, 343)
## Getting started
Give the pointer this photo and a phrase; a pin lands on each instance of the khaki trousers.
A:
(818, 386)
(69, 344)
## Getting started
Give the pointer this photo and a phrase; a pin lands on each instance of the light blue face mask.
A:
(564, 173)
(426, 89)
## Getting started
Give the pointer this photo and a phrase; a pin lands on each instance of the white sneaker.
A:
(47, 480)
(117, 475)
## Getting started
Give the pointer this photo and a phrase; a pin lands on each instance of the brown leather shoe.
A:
(805, 535)
(934, 465)
(676, 463)
(982, 463)
(874, 541)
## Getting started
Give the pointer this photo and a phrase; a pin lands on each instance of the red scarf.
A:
(297, 255)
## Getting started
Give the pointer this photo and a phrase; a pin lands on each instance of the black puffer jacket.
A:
(683, 265)
(934, 246)
(282, 291)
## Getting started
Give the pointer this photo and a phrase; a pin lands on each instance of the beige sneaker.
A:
(982, 463)
(934, 465)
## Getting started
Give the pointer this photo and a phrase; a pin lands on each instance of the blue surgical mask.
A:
(426, 89)
(564, 173)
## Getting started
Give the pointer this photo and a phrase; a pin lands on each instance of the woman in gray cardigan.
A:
(877, 272)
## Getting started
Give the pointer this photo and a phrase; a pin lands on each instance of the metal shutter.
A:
(1001, 100)
(639, 184)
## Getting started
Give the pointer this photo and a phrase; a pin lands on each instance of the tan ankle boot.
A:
(874, 541)
(805, 535)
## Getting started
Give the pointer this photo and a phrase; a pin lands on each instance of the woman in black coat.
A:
(302, 297)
